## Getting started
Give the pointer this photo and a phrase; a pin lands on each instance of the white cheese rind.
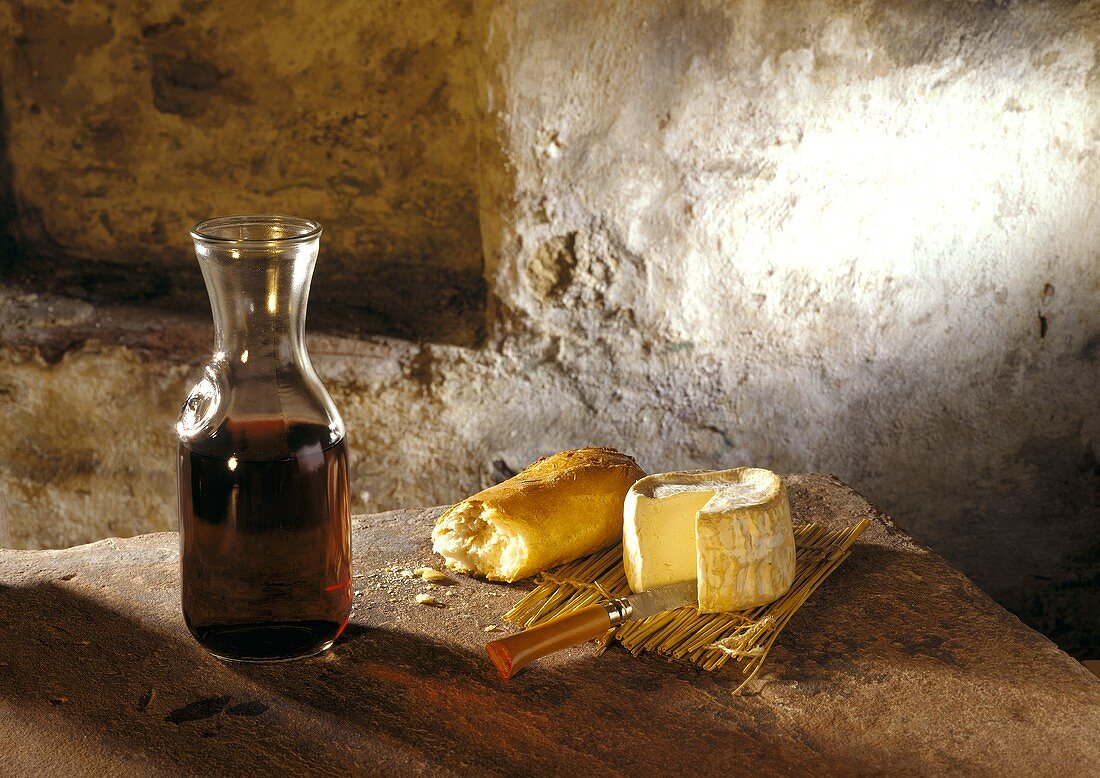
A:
(745, 551)
(730, 529)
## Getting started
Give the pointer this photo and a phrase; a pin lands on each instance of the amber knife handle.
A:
(511, 653)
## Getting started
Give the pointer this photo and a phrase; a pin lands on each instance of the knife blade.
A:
(511, 653)
(666, 598)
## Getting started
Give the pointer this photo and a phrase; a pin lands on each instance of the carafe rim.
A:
(270, 230)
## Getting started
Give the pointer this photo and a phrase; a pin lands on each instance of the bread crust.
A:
(556, 510)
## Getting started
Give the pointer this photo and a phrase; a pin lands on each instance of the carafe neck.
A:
(258, 278)
(257, 270)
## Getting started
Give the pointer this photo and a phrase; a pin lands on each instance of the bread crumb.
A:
(489, 628)
(427, 599)
(430, 574)
(407, 574)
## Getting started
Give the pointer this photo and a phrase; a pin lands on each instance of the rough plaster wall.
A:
(83, 465)
(89, 396)
(866, 231)
(815, 236)
(129, 122)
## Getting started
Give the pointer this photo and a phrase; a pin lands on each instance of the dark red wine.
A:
(265, 539)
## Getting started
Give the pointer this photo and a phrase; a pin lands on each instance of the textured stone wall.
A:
(857, 237)
(841, 236)
(127, 123)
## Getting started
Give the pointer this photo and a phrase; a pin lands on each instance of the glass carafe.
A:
(265, 530)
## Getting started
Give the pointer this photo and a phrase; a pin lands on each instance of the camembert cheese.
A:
(730, 529)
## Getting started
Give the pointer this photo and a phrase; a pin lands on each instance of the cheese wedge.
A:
(729, 529)
(558, 509)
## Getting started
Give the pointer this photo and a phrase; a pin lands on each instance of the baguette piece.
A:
(556, 510)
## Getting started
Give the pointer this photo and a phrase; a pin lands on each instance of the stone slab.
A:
(898, 665)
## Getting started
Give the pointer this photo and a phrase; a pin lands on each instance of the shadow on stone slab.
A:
(578, 713)
(104, 685)
(105, 691)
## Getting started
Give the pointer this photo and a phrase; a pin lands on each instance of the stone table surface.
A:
(898, 664)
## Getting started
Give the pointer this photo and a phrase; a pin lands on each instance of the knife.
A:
(511, 653)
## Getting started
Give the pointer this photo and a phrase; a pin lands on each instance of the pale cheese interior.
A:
(659, 537)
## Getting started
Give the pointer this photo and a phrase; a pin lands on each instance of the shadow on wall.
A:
(1017, 513)
(354, 115)
(1016, 510)
(8, 211)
